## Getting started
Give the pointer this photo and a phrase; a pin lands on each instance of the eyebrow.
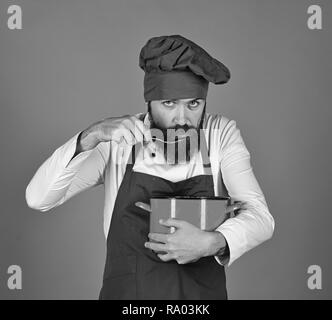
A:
(173, 100)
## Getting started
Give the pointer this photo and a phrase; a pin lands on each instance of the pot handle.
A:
(236, 206)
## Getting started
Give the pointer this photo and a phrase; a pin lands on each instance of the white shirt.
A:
(60, 177)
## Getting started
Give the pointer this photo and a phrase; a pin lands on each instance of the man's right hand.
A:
(125, 130)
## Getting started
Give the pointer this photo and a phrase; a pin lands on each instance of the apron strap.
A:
(204, 150)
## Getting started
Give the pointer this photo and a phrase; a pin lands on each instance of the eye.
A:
(168, 103)
(193, 103)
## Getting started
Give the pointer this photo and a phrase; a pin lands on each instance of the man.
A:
(126, 154)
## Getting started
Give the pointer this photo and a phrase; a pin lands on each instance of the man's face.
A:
(178, 121)
(177, 113)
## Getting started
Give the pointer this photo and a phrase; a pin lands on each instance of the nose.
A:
(180, 117)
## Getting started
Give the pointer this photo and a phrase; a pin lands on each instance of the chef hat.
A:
(177, 68)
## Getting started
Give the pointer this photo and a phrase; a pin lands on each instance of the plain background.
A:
(76, 62)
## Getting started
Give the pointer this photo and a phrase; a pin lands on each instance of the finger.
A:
(143, 206)
(117, 137)
(147, 134)
(129, 138)
(165, 257)
(172, 223)
(155, 246)
(135, 129)
(143, 134)
(233, 207)
(160, 237)
(123, 137)
(123, 142)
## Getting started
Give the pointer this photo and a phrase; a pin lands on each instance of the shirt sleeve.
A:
(254, 223)
(61, 176)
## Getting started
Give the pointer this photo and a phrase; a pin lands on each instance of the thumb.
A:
(147, 134)
(143, 206)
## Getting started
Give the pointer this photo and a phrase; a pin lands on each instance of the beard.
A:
(178, 144)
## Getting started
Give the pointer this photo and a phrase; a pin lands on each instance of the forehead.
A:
(179, 100)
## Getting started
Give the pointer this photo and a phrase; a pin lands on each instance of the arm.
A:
(80, 163)
(75, 166)
(254, 224)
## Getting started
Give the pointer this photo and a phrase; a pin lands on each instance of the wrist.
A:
(88, 140)
(216, 243)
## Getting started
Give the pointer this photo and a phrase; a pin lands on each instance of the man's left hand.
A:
(186, 244)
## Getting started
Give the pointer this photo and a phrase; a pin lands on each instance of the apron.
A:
(134, 272)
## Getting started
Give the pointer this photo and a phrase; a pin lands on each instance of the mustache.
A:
(177, 128)
(185, 127)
